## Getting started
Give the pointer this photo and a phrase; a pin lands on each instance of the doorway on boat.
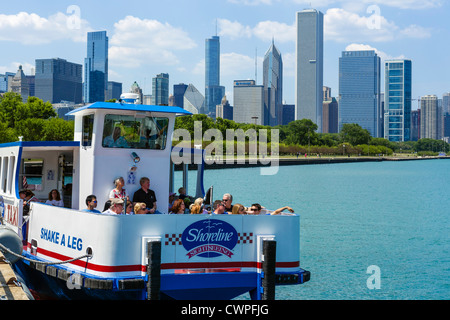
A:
(45, 171)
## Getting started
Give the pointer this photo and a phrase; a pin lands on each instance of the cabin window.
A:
(32, 170)
(135, 132)
(88, 129)
(4, 173)
(12, 163)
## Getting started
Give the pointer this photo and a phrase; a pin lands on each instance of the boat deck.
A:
(10, 289)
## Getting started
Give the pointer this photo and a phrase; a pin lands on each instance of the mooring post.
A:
(268, 266)
(153, 270)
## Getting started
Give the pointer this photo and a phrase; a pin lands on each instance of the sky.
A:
(151, 37)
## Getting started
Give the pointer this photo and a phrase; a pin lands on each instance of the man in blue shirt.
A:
(91, 203)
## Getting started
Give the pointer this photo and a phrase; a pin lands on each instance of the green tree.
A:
(354, 134)
(57, 129)
(302, 132)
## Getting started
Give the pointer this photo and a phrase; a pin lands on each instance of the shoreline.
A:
(251, 163)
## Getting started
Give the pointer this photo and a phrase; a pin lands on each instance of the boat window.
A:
(4, 173)
(32, 173)
(12, 163)
(88, 128)
(135, 132)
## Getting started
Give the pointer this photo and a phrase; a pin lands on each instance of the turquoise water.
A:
(392, 215)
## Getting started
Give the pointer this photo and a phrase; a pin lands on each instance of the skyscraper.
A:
(359, 90)
(96, 67)
(214, 92)
(178, 94)
(160, 89)
(273, 87)
(429, 117)
(58, 80)
(248, 102)
(397, 100)
(309, 69)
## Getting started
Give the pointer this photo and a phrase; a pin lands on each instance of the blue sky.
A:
(151, 37)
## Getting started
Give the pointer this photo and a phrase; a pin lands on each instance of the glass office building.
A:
(273, 87)
(397, 103)
(214, 92)
(359, 90)
(309, 67)
(160, 89)
(58, 80)
(96, 67)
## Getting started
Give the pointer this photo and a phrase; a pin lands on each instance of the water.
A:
(392, 215)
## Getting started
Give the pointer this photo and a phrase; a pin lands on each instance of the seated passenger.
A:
(227, 199)
(54, 199)
(116, 140)
(219, 207)
(115, 208)
(146, 195)
(91, 204)
(119, 191)
(178, 207)
(182, 192)
(140, 208)
(257, 209)
(195, 208)
(238, 209)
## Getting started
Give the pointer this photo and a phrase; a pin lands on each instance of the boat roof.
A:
(132, 107)
(42, 145)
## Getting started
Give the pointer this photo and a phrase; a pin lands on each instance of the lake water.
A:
(391, 215)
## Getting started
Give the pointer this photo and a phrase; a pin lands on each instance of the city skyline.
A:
(152, 38)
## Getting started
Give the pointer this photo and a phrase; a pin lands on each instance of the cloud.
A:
(28, 68)
(32, 29)
(233, 29)
(362, 4)
(232, 65)
(137, 42)
(364, 47)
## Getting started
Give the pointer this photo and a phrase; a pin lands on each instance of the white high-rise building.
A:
(309, 68)
(248, 102)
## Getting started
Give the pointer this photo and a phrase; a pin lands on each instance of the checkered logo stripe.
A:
(245, 237)
(173, 239)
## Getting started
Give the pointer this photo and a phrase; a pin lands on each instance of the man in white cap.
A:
(115, 208)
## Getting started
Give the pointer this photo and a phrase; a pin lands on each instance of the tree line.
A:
(36, 120)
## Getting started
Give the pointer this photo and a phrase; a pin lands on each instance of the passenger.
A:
(140, 208)
(280, 210)
(227, 200)
(119, 191)
(54, 199)
(238, 209)
(129, 209)
(219, 207)
(255, 209)
(199, 202)
(171, 200)
(116, 207)
(91, 203)
(146, 195)
(29, 196)
(178, 207)
(196, 208)
(116, 140)
(182, 192)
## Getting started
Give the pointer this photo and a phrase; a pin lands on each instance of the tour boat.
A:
(69, 253)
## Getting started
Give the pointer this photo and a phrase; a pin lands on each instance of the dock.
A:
(10, 288)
